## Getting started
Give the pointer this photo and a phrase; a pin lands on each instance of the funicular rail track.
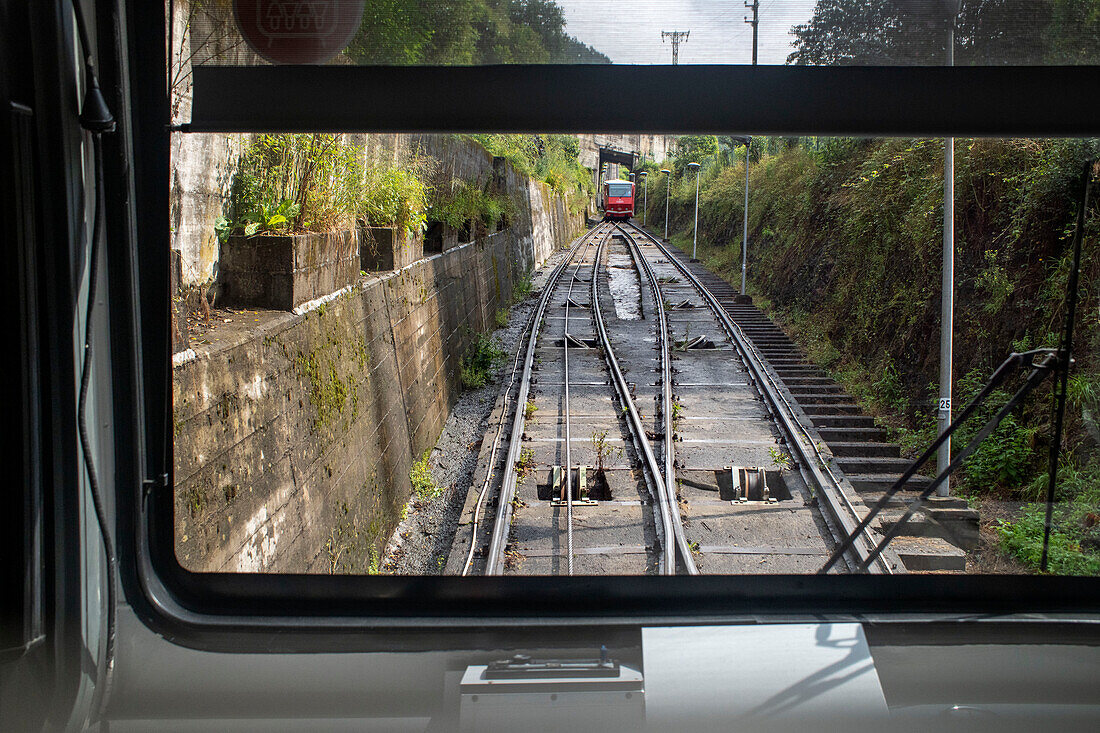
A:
(664, 510)
(842, 515)
(661, 504)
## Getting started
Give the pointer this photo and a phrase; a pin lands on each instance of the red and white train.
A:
(618, 200)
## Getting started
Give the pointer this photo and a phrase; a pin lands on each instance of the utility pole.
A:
(677, 38)
(947, 297)
(755, 23)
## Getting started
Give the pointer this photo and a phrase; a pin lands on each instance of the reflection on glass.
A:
(825, 32)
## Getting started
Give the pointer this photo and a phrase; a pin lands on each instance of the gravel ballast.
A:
(422, 541)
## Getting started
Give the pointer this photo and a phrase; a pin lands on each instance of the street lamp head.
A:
(743, 140)
(693, 166)
(666, 171)
(642, 174)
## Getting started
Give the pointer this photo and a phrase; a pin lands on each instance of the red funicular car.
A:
(618, 198)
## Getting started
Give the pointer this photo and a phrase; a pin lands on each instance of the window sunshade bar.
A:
(778, 100)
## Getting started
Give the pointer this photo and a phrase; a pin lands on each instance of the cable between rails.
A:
(666, 395)
(666, 528)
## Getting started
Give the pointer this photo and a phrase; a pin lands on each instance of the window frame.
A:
(226, 611)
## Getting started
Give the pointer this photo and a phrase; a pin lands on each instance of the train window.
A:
(427, 354)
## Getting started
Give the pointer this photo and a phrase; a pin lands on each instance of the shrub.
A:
(481, 356)
(1023, 538)
(423, 484)
(320, 182)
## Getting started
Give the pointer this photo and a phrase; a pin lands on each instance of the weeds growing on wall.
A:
(466, 203)
(483, 353)
(318, 182)
(548, 158)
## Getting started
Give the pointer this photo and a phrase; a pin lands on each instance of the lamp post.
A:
(668, 189)
(645, 193)
(695, 229)
(746, 141)
(947, 297)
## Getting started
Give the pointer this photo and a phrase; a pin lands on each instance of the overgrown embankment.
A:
(845, 248)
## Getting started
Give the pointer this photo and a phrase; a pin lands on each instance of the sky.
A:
(629, 32)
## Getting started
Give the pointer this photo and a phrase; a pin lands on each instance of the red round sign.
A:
(298, 31)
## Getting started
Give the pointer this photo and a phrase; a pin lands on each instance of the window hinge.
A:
(149, 484)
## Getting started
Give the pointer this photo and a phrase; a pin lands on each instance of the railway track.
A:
(643, 432)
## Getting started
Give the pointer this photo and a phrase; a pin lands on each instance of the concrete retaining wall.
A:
(294, 439)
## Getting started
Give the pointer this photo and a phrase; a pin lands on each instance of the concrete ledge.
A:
(928, 553)
(284, 271)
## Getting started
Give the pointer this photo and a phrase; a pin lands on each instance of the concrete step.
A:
(864, 449)
(936, 518)
(872, 464)
(905, 498)
(799, 372)
(844, 421)
(921, 554)
(808, 381)
(864, 481)
(814, 389)
(815, 411)
(823, 398)
(846, 434)
(919, 524)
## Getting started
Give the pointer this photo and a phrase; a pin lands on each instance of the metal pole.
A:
(755, 23)
(695, 232)
(745, 234)
(668, 191)
(947, 298)
(645, 197)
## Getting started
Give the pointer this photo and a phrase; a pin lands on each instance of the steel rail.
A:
(661, 498)
(494, 564)
(812, 463)
(483, 495)
(666, 405)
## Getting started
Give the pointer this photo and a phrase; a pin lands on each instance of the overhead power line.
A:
(677, 38)
(755, 23)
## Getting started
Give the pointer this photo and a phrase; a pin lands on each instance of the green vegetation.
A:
(317, 182)
(881, 32)
(845, 239)
(483, 353)
(521, 289)
(403, 32)
(328, 393)
(604, 450)
(780, 458)
(548, 158)
(465, 203)
(529, 410)
(420, 477)
(526, 463)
